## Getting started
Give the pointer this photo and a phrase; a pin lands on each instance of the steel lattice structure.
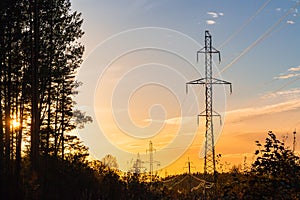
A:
(208, 81)
(151, 150)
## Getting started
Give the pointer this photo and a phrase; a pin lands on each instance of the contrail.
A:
(245, 24)
(261, 38)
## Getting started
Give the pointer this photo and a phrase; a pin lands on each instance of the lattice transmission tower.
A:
(137, 166)
(208, 81)
(294, 141)
(151, 150)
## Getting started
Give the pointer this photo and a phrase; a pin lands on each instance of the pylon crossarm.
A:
(218, 81)
(203, 50)
(213, 50)
(200, 115)
(199, 51)
(203, 81)
(197, 81)
(218, 52)
(215, 114)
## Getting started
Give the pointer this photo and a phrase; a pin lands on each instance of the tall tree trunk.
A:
(56, 130)
(2, 173)
(19, 139)
(51, 55)
(63, 119)
(7, 113)
(34, 89)
(2, 66)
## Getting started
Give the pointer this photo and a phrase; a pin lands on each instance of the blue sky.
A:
(259, 43)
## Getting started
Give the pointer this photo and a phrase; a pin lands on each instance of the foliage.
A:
(276, 170)
(275, 174)
(275, 160)
(110, 162)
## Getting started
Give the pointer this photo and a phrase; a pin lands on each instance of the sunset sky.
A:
(140, 53)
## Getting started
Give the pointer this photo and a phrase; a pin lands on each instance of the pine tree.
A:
(39, 56)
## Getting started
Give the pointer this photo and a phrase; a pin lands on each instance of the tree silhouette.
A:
(275, 174)
(110, 162)
(39, 55)
(276, 170)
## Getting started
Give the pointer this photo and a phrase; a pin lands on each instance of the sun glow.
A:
(15, 123)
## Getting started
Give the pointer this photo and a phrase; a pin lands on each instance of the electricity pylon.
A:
(138, 165)
(189, 174)
(294, 141)
(151, 160)
(208, 81)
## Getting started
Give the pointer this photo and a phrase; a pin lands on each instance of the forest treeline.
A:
(39, 159)
(39, 56)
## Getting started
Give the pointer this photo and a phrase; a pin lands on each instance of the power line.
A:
(287, 84)
(261, 38)
(245, 24)
(181, 181)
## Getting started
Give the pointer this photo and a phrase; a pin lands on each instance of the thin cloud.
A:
(145, 5)
(286, 76)
(249, 113)
(173, 121)
(178, 120)
(290, 22)
(286, 93)
(213, 14)
(291, 72)
(294, 69)
(210, 22)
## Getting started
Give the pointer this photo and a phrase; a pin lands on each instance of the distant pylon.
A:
(189, 172)
(189, 165)
(209, 113)
(294, 141)
(151, 160)
(137, 166)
